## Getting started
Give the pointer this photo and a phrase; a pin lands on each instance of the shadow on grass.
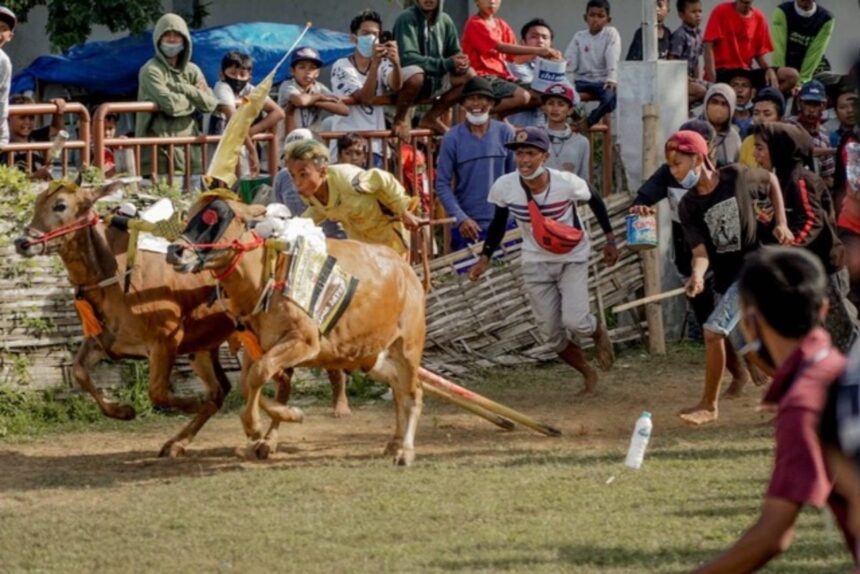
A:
(571, 557)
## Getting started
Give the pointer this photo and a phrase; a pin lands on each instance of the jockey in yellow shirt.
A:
(371, 205)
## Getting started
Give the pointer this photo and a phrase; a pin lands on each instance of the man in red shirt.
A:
(737, 35)
(783, 295)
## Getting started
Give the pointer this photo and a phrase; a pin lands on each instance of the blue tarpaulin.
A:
(111, 67)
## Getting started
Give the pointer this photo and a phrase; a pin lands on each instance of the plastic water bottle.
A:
(639, 441)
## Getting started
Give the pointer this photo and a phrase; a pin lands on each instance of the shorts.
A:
(501, 88)
(558, 293)
(426, 91)
(727, 313)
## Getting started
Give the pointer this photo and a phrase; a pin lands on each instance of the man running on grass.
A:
(719, 222)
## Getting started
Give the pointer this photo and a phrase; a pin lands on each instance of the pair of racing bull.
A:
(168, 310)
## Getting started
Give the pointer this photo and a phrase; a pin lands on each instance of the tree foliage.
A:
(70, 22)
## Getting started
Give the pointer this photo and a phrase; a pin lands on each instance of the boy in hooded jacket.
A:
(783, 148)
(178, 86)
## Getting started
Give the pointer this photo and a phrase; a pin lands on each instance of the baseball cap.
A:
(6, 15)
(306, 54)
(478, 86)
(562, 90)
(530, 137)
(689, 142)
(813, 91)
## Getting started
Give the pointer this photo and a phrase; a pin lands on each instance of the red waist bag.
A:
(553, 236)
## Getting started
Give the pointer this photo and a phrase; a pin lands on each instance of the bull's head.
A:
(213, 234)
(59, 214)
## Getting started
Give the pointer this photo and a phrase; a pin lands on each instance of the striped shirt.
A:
(557, 202)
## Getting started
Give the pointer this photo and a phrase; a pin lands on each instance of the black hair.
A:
(348, 140)
(682, 4)
(236, 59)
(787, 286)
(597, 4)
(701, 127)
(534, 23)
(365, 16)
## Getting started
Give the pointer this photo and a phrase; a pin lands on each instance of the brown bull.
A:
(381, 331)
(164, 314)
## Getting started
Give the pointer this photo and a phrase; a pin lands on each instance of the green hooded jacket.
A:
(429, 44)
(175, 91)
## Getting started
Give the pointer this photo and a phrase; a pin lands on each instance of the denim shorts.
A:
(727, 313)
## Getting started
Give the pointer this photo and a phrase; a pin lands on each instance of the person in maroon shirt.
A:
(783, 295)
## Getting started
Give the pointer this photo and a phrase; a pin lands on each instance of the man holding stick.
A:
(555, 249)
(719, 221)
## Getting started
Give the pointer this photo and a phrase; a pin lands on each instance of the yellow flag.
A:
(226, 156)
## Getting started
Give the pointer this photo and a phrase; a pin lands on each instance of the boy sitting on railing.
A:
(22, 130)
(304, 98)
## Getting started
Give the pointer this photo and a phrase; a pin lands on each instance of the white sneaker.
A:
(388, 395)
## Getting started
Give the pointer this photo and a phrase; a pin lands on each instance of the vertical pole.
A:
(651, 257)
(649, 30)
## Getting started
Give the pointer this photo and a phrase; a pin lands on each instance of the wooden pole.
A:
(651, 299)
(497, 420)
(432, 379)
(651, 257)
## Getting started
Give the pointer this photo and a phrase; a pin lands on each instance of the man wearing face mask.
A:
(718, 218)
(172, 81)
(783, 298)
(472, 156)
(555, 249)
(373, 70)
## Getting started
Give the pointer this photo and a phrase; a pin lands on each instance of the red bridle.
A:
(235, 245)
(42, 238)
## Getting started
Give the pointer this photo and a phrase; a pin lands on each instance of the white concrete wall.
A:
(564, 15)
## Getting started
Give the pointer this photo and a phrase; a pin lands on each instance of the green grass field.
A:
(477, 499)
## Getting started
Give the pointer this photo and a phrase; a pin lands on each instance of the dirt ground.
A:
(659, 385)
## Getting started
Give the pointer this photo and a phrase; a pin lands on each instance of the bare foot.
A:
(435, 124)
(603, 348)
(759, 377)
(698, 415)
(341, 410)
(590, 379)
(737, 385)
(402, 131)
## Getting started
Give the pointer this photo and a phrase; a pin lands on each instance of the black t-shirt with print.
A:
(724, 220)
(19, 160)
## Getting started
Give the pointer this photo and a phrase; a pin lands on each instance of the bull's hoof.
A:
(122, 412)
(172, 450)
(393, 447)
(256, 450)
(404, 457)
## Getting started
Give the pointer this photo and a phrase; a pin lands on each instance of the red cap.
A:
(689, 142)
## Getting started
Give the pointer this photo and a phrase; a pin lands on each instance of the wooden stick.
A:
(649, 299)
(497, 420)
(429, 378)
(650, 258)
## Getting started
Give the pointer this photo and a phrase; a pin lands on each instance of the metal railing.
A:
(82, 143)
(101, 142)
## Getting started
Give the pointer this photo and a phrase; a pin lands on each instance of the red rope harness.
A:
(42, 238)
(235, 245)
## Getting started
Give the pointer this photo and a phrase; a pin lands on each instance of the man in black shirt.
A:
(719, 222)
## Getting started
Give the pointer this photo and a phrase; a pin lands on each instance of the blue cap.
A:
(813, 91)
(306, 54)
(530, 137)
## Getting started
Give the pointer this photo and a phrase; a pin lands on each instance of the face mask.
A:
(691, 179)
(170, 49)
(536, 174)
(236, 85)
(805, 13)
(477, 119)
(365, 45)
(747, 107)
(559, 134)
